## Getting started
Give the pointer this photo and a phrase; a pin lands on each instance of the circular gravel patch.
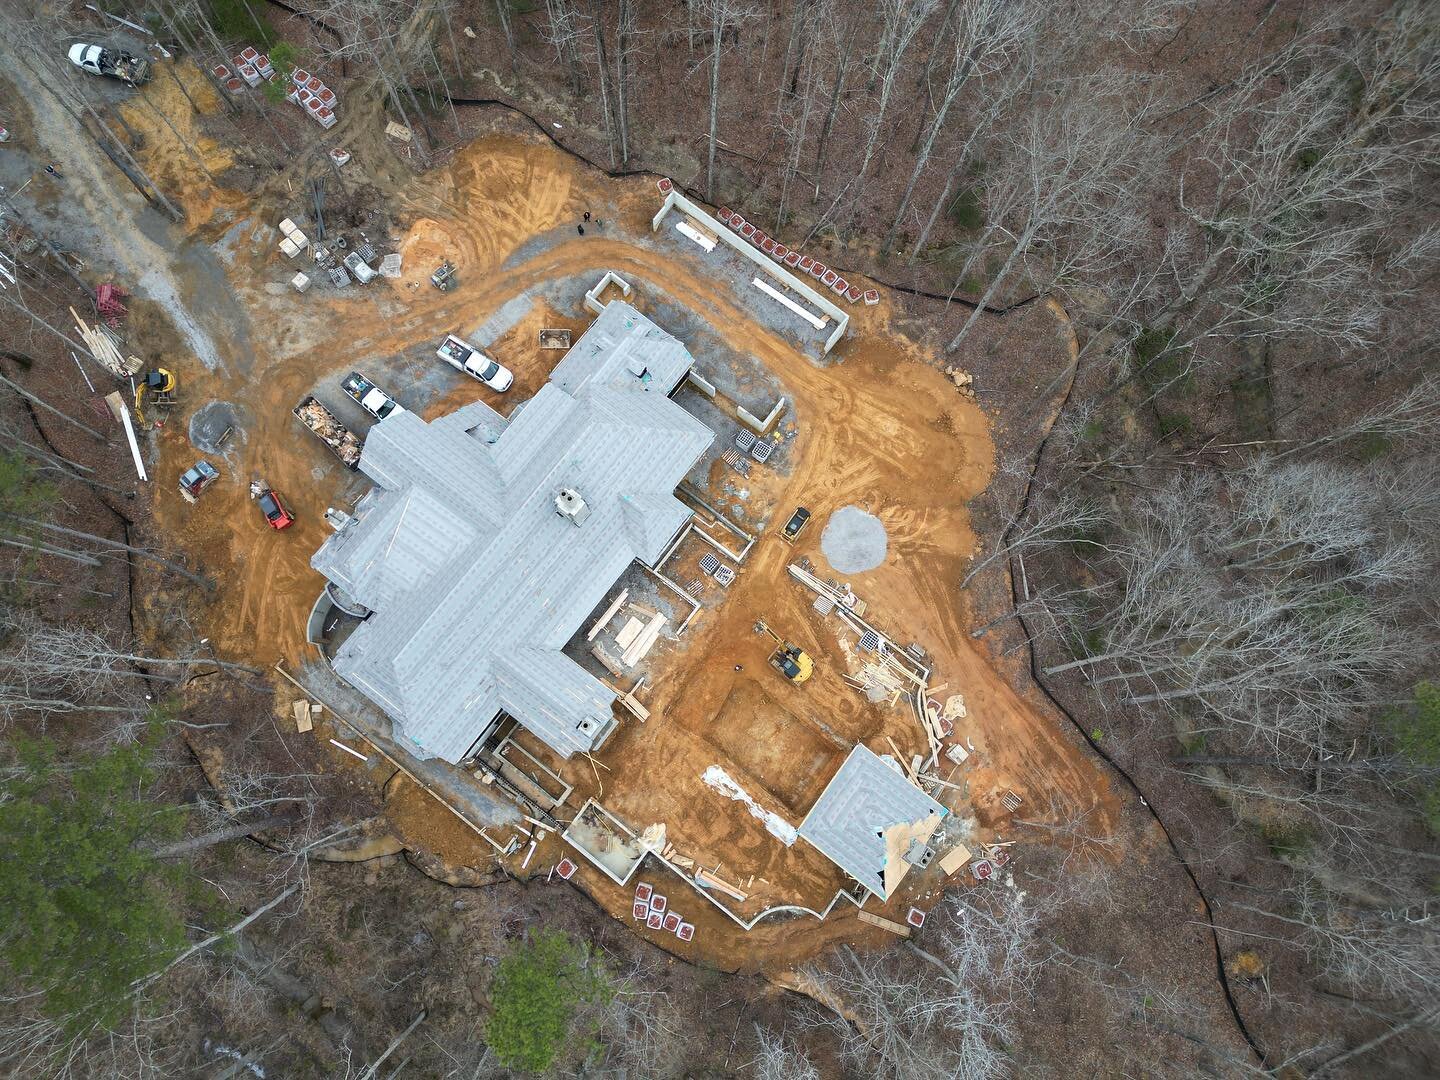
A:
(853, 540)
(210, 423)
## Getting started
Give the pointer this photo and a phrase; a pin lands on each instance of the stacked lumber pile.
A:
(644, 642)
(106, 348)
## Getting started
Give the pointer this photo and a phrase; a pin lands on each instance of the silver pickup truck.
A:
(464, 357)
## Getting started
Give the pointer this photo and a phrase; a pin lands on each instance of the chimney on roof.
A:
(569, 505)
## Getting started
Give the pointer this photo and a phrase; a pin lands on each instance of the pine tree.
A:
(86, 909)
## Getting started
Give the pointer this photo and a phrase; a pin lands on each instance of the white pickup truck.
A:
(370, 397)
(113, 63)
(464, 357)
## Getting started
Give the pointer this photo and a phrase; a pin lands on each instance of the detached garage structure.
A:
(873, 823)
(485, 542)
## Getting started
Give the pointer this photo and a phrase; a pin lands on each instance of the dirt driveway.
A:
(94, 211)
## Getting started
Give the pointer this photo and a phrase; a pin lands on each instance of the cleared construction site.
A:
(625, 554)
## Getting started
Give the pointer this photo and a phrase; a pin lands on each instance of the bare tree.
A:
(777, 1058)
(1072, 159)
(983, 34)
(839, 32)
(724, 17)
(902, 22)
(796, 105)
(1266, 598)
(626, 39)
(1061, 520)
(943, 1017)
(564, 32)
(1298, 190)
(391, 37)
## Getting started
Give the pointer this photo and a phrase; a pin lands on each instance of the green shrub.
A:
(965, 211)
(233, 22)
(1174, 423)
(1193, 742)
(1416, 728)
(1150, 343)
(1371, 445)
(1250, 400)
(284, 58)
(538, 989)
(88, 910)
(1288, 841)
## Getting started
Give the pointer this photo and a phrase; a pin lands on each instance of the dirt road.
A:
(97, 213)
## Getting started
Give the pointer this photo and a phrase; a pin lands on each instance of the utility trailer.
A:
(343, 442)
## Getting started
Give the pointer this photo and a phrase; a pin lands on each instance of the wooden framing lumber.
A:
(954, 859)
(301, 712)
(645, 642)
(608, 662)
(610, 611)
(711, 881)
(885, 924)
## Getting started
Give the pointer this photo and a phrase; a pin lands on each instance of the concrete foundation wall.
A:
(759, 258)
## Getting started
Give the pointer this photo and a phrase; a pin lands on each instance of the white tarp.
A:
(717, 778)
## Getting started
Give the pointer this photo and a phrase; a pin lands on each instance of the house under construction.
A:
(486, 541)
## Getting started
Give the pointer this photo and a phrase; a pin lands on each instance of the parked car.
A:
(197, 478)
(277, 514)
(370, 397)
(463, 356)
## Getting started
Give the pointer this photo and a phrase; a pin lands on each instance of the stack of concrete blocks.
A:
(246, 67)
(312, 95)
(794, 260)
(250, 65)
(292, 240)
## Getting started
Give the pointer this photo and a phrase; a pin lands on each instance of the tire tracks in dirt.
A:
(620, 174)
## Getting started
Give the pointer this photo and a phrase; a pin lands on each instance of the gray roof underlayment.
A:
(864, 799)
(474, 580)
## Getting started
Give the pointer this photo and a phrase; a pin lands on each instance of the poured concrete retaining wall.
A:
(761, 427)
(759, 258)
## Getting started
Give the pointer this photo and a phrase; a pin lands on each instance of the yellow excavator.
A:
(790, 660)
(159, 385)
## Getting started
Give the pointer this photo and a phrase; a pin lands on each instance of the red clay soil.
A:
(884, 430)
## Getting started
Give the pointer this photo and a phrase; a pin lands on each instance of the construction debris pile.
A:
(962, 379)
(105, 345)
(637, 636)
(322, 422)
(891, 672)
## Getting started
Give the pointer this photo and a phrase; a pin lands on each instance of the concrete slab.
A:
(854, 541)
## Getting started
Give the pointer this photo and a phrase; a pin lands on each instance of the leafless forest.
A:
(1209, 549)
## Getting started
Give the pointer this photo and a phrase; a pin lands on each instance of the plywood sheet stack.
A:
(644, 642)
